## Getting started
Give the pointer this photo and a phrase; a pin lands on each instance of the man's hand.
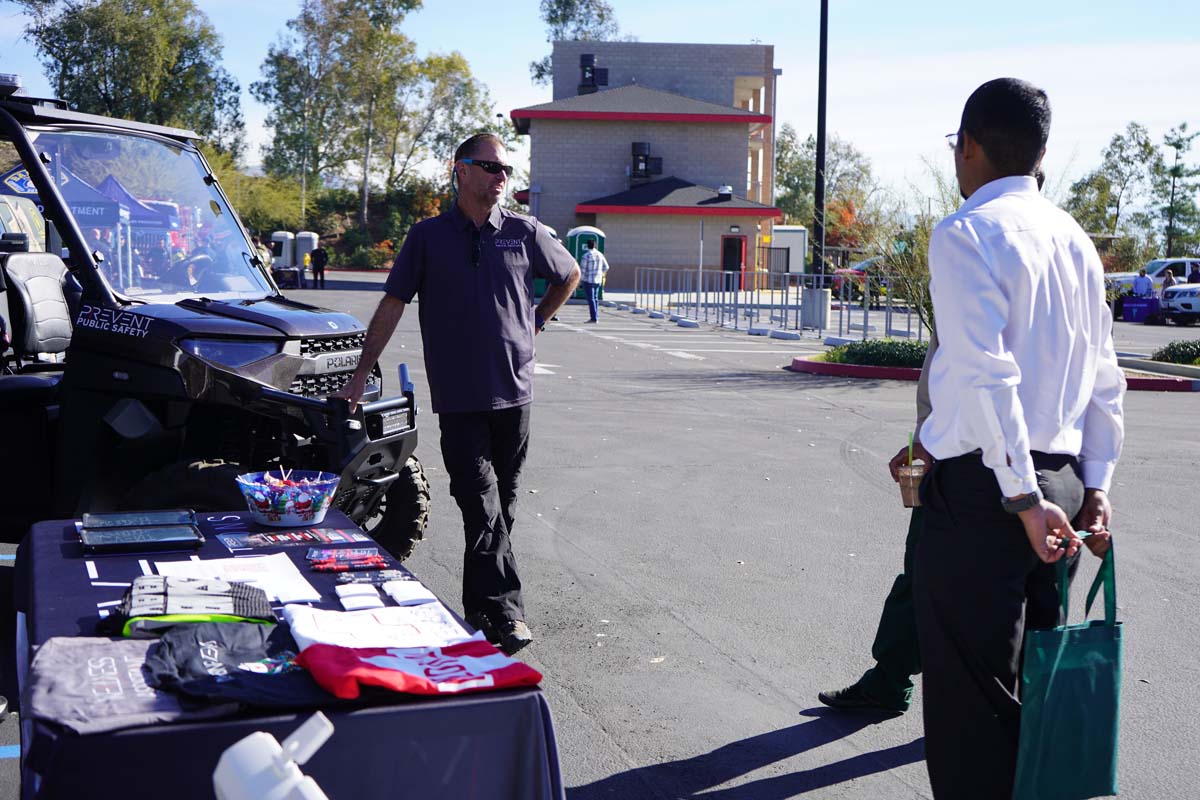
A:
(1094, 518)
(1049, 531)
(919, 453)
(352, 392)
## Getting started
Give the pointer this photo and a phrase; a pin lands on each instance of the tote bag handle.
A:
(1106, 577)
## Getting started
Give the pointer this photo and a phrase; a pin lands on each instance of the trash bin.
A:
(1140, 309)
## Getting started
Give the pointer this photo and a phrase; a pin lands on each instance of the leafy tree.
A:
(849, 182)
(430, 114)
(155, 61)
(1099, 200)
(574, 20)
(1177, 194)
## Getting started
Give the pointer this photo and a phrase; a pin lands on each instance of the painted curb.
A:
(657, 315)
(608, 304)
(789, 335)
(639, 311)
(1161, 367)
(688, 323)
(759, 331)
(674, 317)
(807, 365)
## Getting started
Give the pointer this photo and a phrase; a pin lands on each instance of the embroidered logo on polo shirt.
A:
(508, 243)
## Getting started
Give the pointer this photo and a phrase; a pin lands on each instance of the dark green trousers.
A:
(897, 656)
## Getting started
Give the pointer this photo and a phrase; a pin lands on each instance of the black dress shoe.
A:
(514, 636)
(855, 697)
(481, 623)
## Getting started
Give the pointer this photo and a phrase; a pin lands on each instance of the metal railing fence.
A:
(762, 302)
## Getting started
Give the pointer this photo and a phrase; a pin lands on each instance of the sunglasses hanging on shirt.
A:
(476, 247)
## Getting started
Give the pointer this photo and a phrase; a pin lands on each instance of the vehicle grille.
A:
(332, 344)
(325, 385)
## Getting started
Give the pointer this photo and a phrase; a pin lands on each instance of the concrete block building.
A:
(645, 140)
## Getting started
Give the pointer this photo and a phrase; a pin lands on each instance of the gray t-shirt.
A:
(476, 303)
(92, 685)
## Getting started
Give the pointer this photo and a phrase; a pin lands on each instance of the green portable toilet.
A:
(575, 244)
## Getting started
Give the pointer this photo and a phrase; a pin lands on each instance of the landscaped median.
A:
(895, 360)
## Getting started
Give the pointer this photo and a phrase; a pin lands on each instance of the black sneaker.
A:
(855, 697)
(481, 623)
(514, 636)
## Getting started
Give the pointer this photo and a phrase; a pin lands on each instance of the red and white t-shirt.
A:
(471, 666)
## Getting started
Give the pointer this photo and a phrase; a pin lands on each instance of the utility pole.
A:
(818, 240)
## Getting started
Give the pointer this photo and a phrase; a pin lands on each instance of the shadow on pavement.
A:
(694, 777)
(748, 379)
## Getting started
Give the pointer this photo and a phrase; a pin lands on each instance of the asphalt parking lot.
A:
(706, 539)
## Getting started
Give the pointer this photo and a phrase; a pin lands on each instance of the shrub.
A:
(880, 353)
(1179, 353)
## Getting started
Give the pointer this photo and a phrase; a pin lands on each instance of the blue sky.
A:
(898, 72)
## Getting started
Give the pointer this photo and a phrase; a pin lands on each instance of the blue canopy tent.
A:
(90, 208)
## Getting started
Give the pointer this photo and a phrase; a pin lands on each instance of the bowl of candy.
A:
(288, 497)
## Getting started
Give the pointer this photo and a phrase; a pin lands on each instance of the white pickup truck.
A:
(1156, 270)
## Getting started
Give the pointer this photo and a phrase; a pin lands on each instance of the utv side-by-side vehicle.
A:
(151, 357)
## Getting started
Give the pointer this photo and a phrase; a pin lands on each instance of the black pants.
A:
(897, 657)
(318, 277)
(978, 585)
(484, 453)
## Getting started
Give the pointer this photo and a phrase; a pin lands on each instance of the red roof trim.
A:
(691, 211)
(635, 116)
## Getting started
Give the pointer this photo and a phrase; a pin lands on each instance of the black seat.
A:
(38, 309)
(27, 391)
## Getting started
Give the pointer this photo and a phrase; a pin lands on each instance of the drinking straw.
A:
(910, 446)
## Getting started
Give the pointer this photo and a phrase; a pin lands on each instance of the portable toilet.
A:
(576, 243)
(283, 248)
(578, 236)
(306, 242)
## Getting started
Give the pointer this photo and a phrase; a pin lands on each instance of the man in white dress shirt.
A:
(1025, 430)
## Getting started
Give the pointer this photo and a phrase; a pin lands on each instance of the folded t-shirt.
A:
(95, 684)
(235, 661)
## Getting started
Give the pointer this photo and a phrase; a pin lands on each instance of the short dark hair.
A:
(468, 148)
(591, 243)
(1010, 119)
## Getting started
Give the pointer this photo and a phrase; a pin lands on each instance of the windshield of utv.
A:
(143, 204)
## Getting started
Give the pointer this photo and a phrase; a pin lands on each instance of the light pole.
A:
(818, 242)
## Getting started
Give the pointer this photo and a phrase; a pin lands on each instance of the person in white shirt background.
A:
(593, 266)
(1142, 285)
(1025, 430)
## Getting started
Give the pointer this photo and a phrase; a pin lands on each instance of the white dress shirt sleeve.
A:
(971, 311)
(1104, 420)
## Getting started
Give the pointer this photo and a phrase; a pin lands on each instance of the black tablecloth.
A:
(485, 746)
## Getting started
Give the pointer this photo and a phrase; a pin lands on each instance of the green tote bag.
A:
(1070, 701)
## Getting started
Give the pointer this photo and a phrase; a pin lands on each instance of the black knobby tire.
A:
(399, 522)
(198, 485)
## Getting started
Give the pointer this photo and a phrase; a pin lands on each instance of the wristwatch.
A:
(539, 323)
(1023, 503)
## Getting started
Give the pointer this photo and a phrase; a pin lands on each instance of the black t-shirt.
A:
(245, 662)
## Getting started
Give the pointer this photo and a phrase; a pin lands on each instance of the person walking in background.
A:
(1194, 275)
(481, 257)
(319, 259)
(1025, 431)
(1168, 279)
(593, 266)
(888, 685)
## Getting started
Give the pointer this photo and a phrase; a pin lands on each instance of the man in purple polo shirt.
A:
(473, 269)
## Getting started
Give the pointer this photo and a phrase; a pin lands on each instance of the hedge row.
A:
(880, 353)
(1179, 353)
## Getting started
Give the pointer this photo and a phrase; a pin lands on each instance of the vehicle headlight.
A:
(231, 352)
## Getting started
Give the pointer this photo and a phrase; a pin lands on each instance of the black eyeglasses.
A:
(490, 167)
(952, 140)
